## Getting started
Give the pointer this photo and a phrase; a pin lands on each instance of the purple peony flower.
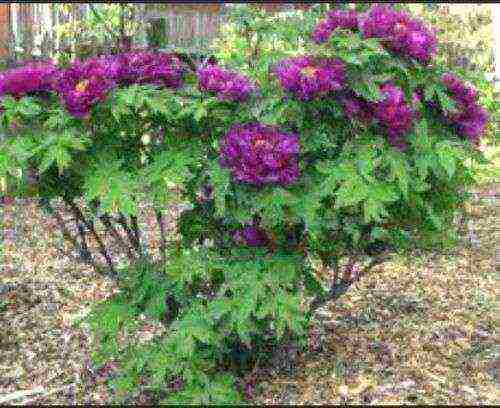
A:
(378, 22)
(227, 85)
(322, 31)
(470, 118)
(259, 154)
(307, 77)
(252, 236)
(357, 108)
(85, 83)
(145, 67)
(345, 19)
(29, 78)
(462, 94)
(393, 113)
(400, 32)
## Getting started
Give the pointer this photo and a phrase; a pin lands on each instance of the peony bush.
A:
(329, 153)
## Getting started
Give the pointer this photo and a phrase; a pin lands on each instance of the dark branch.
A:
(341, 286)
(163, 244)
(90, 226)
(68, 237)
(106, 221)
(84, 252)
(137, 235)
(132, 239)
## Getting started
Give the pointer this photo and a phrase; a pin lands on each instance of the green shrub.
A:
(300, 157)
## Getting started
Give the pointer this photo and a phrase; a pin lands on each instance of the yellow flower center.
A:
(308, 71)
(82, 86)
(261, 143)
(400, 27)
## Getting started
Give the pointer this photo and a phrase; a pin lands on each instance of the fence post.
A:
(4, 29)
(495, 14)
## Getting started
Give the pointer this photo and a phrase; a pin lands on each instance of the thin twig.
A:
(85, 252)
(123, 222)
(90, 226)
(68, 237)
(163, 245)
(137, 234)
(106, 220)
(338, 289)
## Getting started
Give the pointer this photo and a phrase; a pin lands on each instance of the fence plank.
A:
(35, 26)
(4, 29)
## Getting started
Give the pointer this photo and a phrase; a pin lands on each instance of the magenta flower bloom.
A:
(84, 84)
(307, 77)
(259, 154)
(462, 94)
(378, 22)
(393, 113)
(399, 32)
(357, 108)
(29, 78)
(470, 119)
(144, 67)
(471, 123)
(322, 31)
(251, 236)
(227, 85)
(345, 19)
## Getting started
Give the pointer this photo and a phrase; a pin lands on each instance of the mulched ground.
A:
(419, 333)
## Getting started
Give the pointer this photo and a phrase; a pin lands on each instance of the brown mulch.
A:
(419, 333)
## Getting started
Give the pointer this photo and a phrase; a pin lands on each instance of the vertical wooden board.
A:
(183, 33)
(495, 12)
(4, 29)
(171, 27)
(183, 30)
(193, 28)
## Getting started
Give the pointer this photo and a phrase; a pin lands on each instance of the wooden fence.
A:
(35, 29)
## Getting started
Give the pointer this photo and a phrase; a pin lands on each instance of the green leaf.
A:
(351, 192)
(373, 210)
(220, 180)
(423, 163)
(398, 170)
(366, 162)
(28, 107)
(446, 102)
(116, 188)
(429, 91)
(354, 231)
(367, 90)
(200, 113)
(334, 175)
(378, 233)
(446, 155)
(422, 140)
(57, 148)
